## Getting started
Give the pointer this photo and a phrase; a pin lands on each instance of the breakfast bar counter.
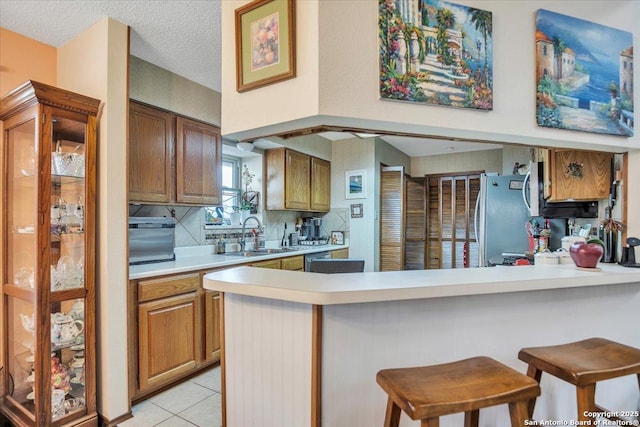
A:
(303, 349)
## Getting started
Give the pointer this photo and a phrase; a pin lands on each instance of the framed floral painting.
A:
(265, 43)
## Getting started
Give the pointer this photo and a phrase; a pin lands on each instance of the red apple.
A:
(586, 255)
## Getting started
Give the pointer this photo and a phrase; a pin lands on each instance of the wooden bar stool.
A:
(427, 392)
(582, 364)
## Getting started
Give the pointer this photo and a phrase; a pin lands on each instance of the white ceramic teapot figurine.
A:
(64, 328)
(28, 322)
(77, 310)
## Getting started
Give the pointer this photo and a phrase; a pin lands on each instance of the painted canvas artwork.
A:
(436, 53)
(584, 75)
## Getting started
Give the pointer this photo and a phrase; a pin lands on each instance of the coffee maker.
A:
(311, 228)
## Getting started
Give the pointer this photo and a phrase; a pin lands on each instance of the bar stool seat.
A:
(582, 363)
(427, 392)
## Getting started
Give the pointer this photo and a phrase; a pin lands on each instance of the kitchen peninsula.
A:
(304, 348)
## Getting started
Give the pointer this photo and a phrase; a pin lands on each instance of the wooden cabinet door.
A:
(169, 338)
(212, 326)
(580, 175)
(198, 162)
(320, 185)
(295, 263)
(150, 154)
(297, 181)
(340, 254)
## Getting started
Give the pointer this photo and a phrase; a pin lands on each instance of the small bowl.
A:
(73, 404)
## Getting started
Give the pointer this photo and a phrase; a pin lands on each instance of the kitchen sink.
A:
(261, 252)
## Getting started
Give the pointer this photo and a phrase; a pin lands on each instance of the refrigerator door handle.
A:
(527, 178)
(478, 220)
(475, 220)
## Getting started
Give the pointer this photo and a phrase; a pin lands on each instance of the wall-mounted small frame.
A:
(355, 184)
(357, 211)
(337, 237)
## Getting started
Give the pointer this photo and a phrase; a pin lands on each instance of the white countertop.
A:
(202, 258)
(327, 289)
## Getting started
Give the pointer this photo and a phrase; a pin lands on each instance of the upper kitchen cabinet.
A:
(48, 257)
(151, 136)
(198, 162)
(172, 159)
(320, 185)
(578, 175)
(296, 181)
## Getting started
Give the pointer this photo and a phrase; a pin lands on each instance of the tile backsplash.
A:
(190, 223)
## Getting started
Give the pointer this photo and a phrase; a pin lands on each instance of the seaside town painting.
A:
(436, 53)
(584, 75)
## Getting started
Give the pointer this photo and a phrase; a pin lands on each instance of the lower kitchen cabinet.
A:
(175, 331)
(295, 263)
(340, 254)
(169, 338)
(211, 326)
(175, 327)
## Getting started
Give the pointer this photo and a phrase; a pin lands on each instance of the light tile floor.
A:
(196, 402)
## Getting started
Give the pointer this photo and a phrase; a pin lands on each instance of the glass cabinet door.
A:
(22, 252)
(67, 263)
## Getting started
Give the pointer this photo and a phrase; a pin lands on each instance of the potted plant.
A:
(610, 229)
(246, 203)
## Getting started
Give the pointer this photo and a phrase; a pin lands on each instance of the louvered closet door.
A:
(392, 218)
(416, 229)
(451, 229)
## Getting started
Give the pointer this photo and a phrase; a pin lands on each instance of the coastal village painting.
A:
(584, 75)
(436, 53)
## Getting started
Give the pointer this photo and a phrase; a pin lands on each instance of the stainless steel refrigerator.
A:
(501, 217)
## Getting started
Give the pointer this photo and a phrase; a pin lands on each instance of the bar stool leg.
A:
(471, 418)
(536, 374)
(586, 395)
(430, 422)
(392, 416)
(519, 413)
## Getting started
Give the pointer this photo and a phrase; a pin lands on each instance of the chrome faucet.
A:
(244, 223)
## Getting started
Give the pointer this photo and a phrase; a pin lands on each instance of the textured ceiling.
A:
(178, 35)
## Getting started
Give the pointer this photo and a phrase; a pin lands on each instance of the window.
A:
(230, 192)
(230, 183)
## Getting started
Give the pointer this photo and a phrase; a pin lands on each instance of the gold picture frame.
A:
(265, 43)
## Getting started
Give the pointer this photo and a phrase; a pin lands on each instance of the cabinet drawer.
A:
(167, 286)
(271, 263)
(293, 263)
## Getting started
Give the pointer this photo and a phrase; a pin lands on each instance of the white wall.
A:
(95, 63)
(162, 88)
(356, 154)
(489, 161)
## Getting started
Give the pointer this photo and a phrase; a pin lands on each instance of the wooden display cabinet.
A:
(48, 256)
